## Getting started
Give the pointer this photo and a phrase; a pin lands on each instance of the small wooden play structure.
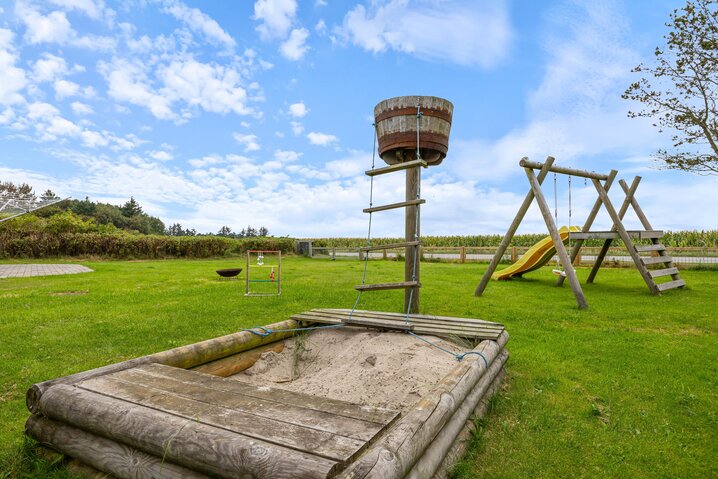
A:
(185, 413)
(631, 239)
(268, 263)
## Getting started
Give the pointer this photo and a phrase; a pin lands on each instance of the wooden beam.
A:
(390, 246)
(607, 244)
(625, 237)
(589, 222)
(636, 234)
(678, 283)
(412, 253)
(512, 229)
(402, 204)
(383, 286)
(398, 167)
(557, 241)
(378, 323)
(563, 170)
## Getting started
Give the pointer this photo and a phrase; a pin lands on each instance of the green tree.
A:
(131, 208)
(84, 207)
(225, 231)
(680, 91)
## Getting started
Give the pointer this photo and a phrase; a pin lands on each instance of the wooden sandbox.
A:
(178, 414)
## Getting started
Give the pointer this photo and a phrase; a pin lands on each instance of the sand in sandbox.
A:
(382, 369)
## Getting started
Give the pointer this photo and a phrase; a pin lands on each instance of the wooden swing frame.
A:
(602, 183)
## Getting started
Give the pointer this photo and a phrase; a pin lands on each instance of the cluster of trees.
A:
(225, 231)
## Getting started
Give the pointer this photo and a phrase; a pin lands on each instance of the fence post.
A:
(577, 260)
(361, 255)
(514, 254)
(462, 255)
(334, 253)
(384, 254)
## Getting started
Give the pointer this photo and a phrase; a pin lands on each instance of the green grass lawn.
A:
(627, 388)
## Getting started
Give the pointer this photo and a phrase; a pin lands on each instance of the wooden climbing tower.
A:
(412, 132)
(644, 246)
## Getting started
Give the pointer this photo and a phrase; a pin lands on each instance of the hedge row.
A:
(120, 246)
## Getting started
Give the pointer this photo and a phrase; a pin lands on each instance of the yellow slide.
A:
(537, 256)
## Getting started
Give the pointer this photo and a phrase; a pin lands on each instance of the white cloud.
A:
(91, 8)
(199, 21)
(161, 155)
(320, 27)
(81, 109)
(13, 77)
(297, 128)
(298, 110)
(295, 47)
(475, 34)
(6, 116)
(287, 156)
(128, 82)
(321, 139)
(249, 141)
(65, 88)
(276, 17)
(49, 68)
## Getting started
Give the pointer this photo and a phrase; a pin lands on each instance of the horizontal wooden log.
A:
(181, 357)
(237, 363)
(378, 323)
(390, 246)
(385, 286)
(397, 451)
(657, 273)
(104, 454)
(397, 167)
(415, 318)
(525, 163)
(678, 283)
(431, 459)
(186, 442)
(392, 206)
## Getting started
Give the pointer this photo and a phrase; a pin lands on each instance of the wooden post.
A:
(514, 254)
(383, 253)
(607, 244)
(462, 254)
(334, 253)
(246, 275)
(557, 241)
(626, 239)
(412, 224)
(361, 255)
(589, 222)
(512, 229)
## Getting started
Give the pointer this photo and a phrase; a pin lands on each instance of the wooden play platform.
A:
(160, 416)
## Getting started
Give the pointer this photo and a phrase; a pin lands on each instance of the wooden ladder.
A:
(412, 243)
(662, 259)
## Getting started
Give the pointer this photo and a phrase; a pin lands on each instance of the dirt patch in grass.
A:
(69, 293)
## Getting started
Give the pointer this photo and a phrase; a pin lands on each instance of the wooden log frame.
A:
(397, 452)
(181, 357)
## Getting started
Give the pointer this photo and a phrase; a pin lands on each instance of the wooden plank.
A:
(390, 246)
(238, 362)
(104, 454)
(398, 167)
(189, 443)
(656, 259)
(512, 229)
(583, 235)
(268, 393)
(650, 234)
(378, 323)
(525, 163)
(295, 414)
(557, 241)
(204, 411)
(657, 273)
(383, 286)
(412, 254)
(650, 247)
(678, 283)
(607, 243)
(414, 318)
(401, 204)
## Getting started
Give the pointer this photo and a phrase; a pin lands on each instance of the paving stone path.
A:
(26, 270)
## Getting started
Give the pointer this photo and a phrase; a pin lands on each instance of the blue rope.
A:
(264, 332)
(459, 357)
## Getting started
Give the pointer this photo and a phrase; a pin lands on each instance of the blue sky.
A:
(239, 112)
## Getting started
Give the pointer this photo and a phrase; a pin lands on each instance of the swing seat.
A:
(559, 272)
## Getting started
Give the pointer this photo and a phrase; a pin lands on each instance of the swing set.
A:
(630, 238)
(269, 284)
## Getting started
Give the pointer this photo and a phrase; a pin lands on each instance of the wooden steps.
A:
(398, 167)
(383, 286)
(678, 283)
(443, 326)
(402, 204)
(657, 273)
(391, 246)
